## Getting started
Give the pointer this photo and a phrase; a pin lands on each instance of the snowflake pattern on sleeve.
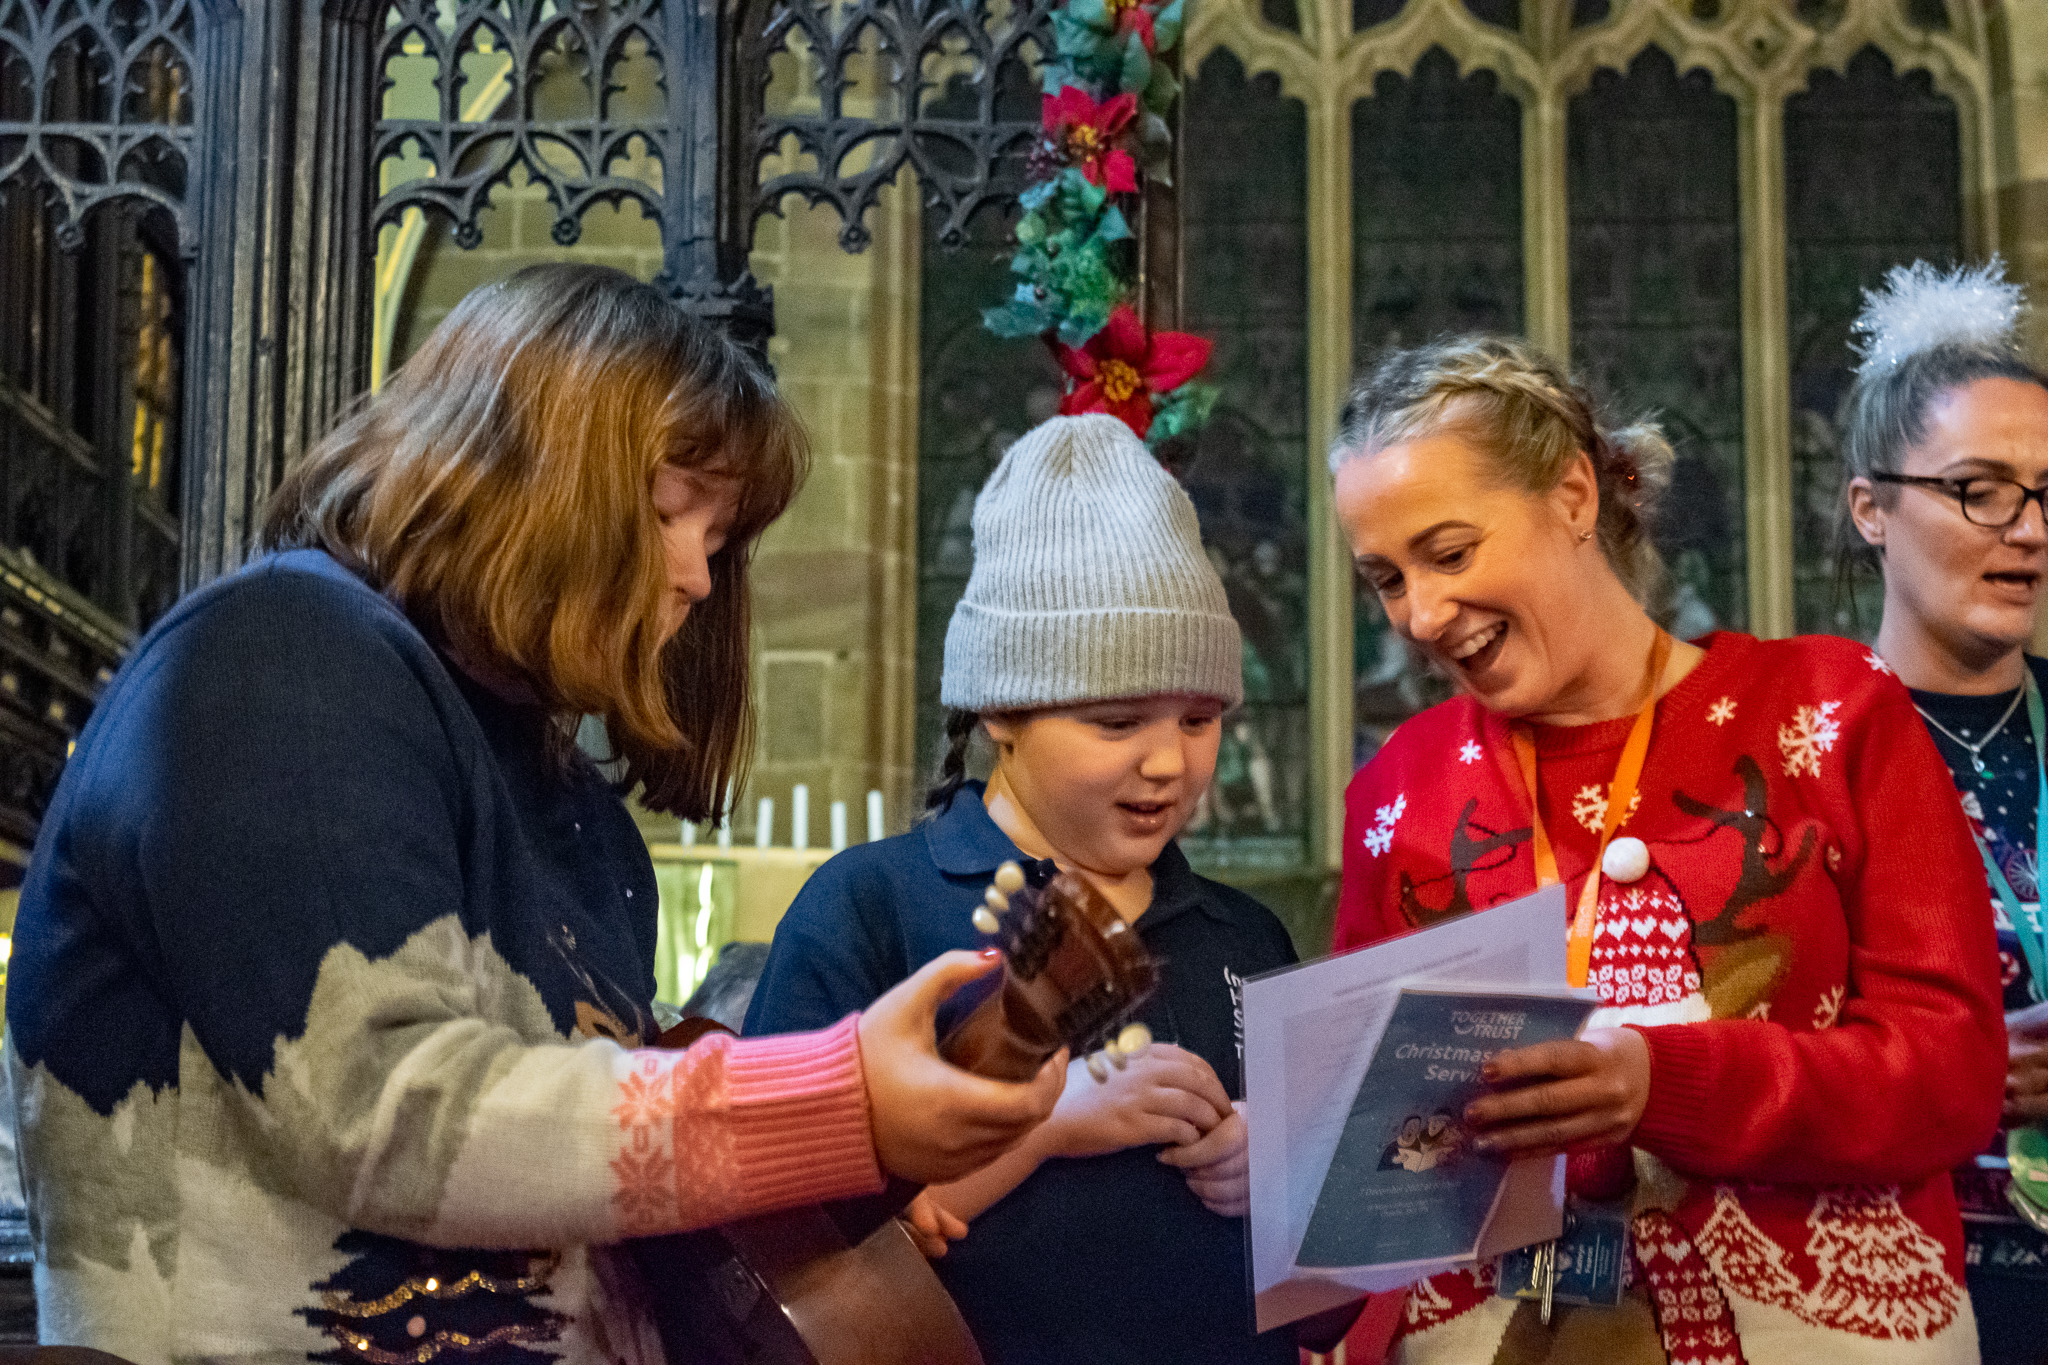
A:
(1811, 732)
(1380, 837)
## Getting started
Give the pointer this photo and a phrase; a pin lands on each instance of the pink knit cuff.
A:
(1675, 1125)
(800, 1117)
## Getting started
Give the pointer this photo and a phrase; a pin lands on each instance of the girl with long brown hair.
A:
(332, 979)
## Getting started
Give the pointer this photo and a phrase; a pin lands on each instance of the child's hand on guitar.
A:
(932, 1121)
(1218, 1167)
(1156, 1094)
(931, 1226)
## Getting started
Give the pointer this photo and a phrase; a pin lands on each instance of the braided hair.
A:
(1525, 412)
(960, 728)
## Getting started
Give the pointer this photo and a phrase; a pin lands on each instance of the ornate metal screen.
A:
(97, 230)
(95, 106)
(946, 88)
(1872, 180)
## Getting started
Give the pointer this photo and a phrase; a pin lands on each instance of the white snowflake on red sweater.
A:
(1811, 732)
(1470, 753)
(1722, 711)
(1828, 1008)
(1877, 665)
(1380, 837)
(1589, 807)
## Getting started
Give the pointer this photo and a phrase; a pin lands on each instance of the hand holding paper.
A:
(1588, 1092)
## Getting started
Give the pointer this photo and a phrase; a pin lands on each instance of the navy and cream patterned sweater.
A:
(327, 985)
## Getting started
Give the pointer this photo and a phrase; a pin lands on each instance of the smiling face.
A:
(1108, 783)
(1495, 583)
(695, 511)
(1972, 589)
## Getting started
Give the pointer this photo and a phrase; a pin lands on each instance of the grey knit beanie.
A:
(1089, 581)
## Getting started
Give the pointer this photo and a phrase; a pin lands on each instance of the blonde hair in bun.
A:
(1531, 419)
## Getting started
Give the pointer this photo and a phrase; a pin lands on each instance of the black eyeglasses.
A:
(1992, 503)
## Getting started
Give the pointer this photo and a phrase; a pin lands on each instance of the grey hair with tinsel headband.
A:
(1923, 333)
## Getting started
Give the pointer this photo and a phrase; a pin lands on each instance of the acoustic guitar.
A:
(843, 1283)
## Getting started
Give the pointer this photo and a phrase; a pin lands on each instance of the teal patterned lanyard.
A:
(2032, 935)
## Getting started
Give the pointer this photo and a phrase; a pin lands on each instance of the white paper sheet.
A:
(1309, 1035)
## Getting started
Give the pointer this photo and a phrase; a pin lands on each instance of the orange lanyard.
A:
(1621, 793)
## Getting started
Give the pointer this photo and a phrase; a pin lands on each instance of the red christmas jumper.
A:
(1808, 958)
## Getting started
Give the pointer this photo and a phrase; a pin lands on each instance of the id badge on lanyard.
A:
(2026, 1147)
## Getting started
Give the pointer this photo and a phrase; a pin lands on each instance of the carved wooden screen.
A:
(598, 101)
(97, 145)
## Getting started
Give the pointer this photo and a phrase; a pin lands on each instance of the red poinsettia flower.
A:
(1085, 131)
(1123, 366)
(1132, 16)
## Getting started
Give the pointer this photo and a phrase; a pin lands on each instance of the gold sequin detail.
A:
(460, 1342)
(536, 1278)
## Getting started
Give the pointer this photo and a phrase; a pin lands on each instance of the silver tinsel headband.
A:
(1920, 308)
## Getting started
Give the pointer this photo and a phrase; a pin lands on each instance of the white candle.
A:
(875, 827)
(764, 823)
(799, 816)
(838, 825)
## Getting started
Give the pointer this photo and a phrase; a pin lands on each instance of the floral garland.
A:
(1107, 89)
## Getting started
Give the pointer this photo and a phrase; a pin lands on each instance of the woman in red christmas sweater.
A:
(1801, 1032)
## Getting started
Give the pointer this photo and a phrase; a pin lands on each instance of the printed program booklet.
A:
(1311, 1033)
(1405, 1187)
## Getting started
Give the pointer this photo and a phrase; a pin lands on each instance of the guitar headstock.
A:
(1074, 972)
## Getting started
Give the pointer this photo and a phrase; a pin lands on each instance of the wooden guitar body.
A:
(844, 1284)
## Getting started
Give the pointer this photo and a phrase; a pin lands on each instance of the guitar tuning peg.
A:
(995, 900)
(1134, 1039)
(1097, 1068)
(1009, 879)
(985, 920)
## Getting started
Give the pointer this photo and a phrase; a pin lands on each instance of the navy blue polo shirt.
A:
(1107, 1260)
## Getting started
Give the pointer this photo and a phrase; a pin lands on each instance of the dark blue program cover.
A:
(1405, 1183)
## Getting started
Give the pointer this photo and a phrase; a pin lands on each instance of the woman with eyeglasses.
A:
(1947, 452)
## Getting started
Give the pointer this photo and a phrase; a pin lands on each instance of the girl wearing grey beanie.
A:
(1095, 649)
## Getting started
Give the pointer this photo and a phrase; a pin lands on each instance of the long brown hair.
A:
(499, 490)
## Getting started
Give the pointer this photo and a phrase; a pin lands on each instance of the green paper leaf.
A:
(1137, 66)
(1038, 196)
(1083, 323)
(1113, 227)
(1159, 163)
(1161, 89)
(1031, 227)
(1166, 26)
(1186, 409)
(1093, 13)
(1154, 130)
(1075, 41)
(1016, 320)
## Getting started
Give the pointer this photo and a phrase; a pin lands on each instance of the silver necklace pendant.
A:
(1982, 771)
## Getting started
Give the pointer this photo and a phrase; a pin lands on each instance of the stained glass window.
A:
(1657, 307)
(1872, 180)
(1245, 238)
(1436, 189)
(977, 393)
